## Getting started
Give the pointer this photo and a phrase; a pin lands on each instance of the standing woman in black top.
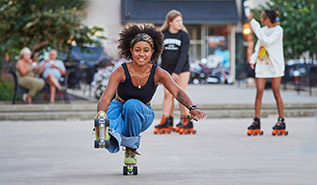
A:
(135, 83)
(175, 61)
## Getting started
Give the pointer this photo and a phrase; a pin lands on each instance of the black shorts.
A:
(170, 68)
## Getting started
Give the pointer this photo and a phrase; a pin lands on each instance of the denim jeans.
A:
(127, 121)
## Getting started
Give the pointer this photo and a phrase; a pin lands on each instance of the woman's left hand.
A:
(196, 114)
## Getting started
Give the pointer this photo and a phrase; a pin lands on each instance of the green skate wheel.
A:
(130, 169)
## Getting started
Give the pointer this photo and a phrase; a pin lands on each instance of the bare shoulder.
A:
(161, 74)
(19, 63)
(118, 73)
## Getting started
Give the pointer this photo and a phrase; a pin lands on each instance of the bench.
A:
(46, 89)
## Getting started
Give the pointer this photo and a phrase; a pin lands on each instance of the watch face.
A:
(193, 107)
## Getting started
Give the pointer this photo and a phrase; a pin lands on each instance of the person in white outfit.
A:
(268, 61)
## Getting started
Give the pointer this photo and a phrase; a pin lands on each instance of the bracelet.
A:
(193, 107)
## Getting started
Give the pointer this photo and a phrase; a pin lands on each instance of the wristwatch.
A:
(193, 107)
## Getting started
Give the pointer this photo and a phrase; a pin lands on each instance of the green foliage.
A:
(39, 24)
(6, 89)
(298, 18)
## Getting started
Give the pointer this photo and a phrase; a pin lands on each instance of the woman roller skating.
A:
(268, 61)
(175, 62)
(134, 84)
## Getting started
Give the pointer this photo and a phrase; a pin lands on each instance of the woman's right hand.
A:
(252, 66)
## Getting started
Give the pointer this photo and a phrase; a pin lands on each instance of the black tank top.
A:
(126, 90)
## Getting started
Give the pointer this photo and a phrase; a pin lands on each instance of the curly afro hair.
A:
(129, 33)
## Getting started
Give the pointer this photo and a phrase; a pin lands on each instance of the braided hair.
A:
(128, 35)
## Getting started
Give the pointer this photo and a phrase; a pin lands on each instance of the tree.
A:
(298, 18)
(39, 24)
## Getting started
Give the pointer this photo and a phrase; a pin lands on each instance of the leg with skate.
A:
(279, 128)
(255, 128)
(101, 131)
(130, 161)
(187, 126)
(164, 126)
(177, 127)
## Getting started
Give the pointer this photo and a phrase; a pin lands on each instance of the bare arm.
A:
(41, 68)
(22, 69)
(265, 40)
(163, 77)
(116, 77)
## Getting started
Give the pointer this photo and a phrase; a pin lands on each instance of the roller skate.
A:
(171, 123)
(176, 129)
(255, 128)
(186, 126)
(164, 126)
(101, 131)
(279, 128)
(130, 160)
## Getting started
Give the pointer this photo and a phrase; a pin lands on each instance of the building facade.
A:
(214, 26)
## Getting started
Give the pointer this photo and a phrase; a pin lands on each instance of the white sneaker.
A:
(24, 97)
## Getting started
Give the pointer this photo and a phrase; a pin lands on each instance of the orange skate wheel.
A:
(249, 132)
(194, 131)
(261, 133)
(286, 133)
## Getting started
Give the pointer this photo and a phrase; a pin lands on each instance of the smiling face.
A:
(142, 52)
(177, 23)
(26, 56)
(53, 54)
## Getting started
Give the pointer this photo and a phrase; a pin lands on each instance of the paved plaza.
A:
(62, 152)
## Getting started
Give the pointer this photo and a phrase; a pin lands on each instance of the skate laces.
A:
(163, 120)
(185, 120)
(255, 123)
(130, 152)
(280, 121)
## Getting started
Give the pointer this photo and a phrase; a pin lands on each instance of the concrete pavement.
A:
(61, 152)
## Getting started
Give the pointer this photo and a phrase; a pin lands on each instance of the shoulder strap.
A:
(126, 71)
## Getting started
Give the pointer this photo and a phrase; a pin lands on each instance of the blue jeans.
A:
(127, 121)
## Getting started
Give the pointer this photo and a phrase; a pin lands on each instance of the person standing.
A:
(175, 62)
(268, 61)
